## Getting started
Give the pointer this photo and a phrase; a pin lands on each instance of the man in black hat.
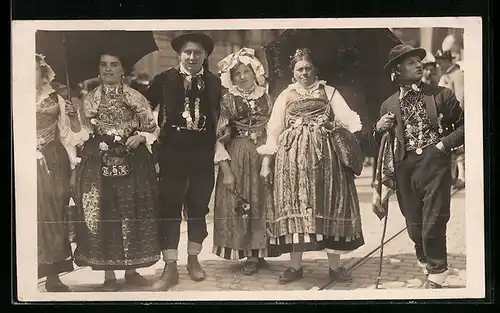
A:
(427, 122)
(189, 103)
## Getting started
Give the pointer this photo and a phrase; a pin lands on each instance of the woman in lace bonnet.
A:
(315, 201)
(58, 132)
(241, 198)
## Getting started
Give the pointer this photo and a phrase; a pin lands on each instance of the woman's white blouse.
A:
(344, 116)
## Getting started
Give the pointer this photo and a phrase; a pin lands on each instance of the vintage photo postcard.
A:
(291, 159)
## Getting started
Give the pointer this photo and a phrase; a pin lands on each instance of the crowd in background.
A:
(443, 68)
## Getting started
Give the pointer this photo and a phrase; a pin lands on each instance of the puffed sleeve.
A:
(148, 124)
(223, 129)
(275, 126)
(344, 115)
(70, 139)
(89, 111)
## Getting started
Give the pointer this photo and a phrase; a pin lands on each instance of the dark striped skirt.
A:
(314, 242)
(53, 175)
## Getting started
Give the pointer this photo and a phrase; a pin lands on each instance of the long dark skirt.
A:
(53, 175)
(117, 227)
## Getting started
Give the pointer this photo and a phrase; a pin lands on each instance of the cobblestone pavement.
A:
(399, 267)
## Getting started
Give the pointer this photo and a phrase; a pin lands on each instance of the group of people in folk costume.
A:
(286, 167)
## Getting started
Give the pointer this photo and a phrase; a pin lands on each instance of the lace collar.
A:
(305, 91)
(256, 93)
(112, 89)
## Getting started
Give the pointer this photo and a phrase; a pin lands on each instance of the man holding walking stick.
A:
(428, 123)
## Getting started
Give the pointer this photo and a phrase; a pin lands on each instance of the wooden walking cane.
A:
(382, 240)
(65, 58)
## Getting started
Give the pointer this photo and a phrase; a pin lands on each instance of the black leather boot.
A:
(169, 277)
(194, 268)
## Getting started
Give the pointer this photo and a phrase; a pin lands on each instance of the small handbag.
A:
(347, 148)
(115, 163)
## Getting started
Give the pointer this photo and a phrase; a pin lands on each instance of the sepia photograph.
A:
(318, 159)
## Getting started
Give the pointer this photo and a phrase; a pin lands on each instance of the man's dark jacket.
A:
(438, 100)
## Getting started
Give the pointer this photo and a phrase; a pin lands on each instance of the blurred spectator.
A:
(92, 84)
(450, 43)
(141, 82)
(429, 65)
(453, 78)
(453, 75)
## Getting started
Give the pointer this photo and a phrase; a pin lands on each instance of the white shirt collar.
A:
(184, 71)
(309, 89)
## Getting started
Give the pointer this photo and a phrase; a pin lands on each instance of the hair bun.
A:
(300, 52)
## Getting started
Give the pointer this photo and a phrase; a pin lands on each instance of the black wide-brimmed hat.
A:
(178, 42)
(399, 52)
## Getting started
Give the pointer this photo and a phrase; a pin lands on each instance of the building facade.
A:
(431, 39)
(226, 42)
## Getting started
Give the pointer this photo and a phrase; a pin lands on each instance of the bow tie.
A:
(194, 81)
(191, 76)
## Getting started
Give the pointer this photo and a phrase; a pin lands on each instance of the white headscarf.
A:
(245, 56)
(49, 72)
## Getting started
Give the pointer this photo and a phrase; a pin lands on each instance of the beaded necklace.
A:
(193, 123)
(190, 123)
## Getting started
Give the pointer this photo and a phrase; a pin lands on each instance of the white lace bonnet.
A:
(245, 56)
